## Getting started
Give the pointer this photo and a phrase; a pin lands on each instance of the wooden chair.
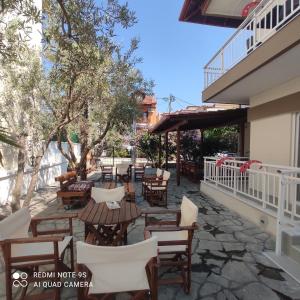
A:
(107, 172)
(73, 191)
(147, 178)
(27, 254)
(114, 270)
(156, 190)
(139, 172)
(122, 172)
(104, 195)
(175, 240)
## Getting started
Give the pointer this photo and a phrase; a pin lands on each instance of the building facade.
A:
(259, 66)
(148, 114)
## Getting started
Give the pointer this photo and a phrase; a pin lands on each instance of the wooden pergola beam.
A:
(167, 149)
(178, 157)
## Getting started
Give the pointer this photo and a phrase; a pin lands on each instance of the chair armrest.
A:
(30, 240)
(58, 217)
(176, 212)
(35, 221)
(160, 211)
(170, 228)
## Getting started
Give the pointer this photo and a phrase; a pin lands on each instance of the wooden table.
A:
(129, 189)
(111, 224)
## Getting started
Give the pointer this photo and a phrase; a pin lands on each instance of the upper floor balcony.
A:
(265, 21)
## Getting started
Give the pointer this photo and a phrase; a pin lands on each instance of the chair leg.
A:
(8, 283)
(72, 255)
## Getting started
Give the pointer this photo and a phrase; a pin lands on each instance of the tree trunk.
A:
(70, 156)
(81, 168)
(16, 193)
(33, 181)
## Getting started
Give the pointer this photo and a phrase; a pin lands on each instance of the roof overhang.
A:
(199, 120)
(213, 12)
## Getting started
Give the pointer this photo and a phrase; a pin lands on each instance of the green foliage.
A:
(191, 148)
(114, 144)
(148, 146)
(220, 139)
(11, 41)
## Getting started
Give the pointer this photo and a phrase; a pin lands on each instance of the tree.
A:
(148, 146)
(16, 20)
(110, 79)
(79, 51)
(220, 139)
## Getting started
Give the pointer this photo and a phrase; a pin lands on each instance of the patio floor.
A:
(227, 263)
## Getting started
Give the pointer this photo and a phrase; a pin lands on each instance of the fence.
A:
(53, 164)
(267, 18)
(261, 185)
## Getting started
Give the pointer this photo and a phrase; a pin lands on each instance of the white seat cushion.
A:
(105, 195)
(117, 269)
(156, 188)
(189, 212)
(30, 249)
(171, 236)
(15, 225)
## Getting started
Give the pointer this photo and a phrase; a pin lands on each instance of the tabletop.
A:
(100, 214)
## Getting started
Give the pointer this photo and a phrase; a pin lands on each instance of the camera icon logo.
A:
(20, 279)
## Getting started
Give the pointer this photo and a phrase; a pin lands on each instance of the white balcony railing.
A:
(260, 185)
(267, 18)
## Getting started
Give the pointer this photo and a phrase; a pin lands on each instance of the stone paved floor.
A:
(227, 263)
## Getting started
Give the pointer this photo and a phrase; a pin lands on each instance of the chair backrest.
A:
(159, 172)
(189, 212)
(117, 269)
(15, 225)
(105, 195)
(66, 179)
(166, 175)
(122, 168)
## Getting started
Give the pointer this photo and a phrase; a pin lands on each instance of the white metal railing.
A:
(289, 203)
(260, 185)
(265, 20)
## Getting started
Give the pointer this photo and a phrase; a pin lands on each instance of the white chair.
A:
(106, 195)
(175, 239)
(118, 269)
(156, 191)
(122, 171)
(148, 178)
(22, 252)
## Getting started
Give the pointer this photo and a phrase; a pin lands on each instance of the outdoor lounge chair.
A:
(122, 172)
(104, 195)
(156, 190)
(107, 172)
(175, 240)
(147, 178)
(139, 171)
(118, 269)
(26, 254)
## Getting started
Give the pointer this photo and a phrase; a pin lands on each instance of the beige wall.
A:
(247, 140)
(288, 88)
(272, 137)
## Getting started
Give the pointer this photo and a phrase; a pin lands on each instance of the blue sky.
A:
(173, 52)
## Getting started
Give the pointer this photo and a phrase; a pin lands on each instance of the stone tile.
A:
(227, 261)
(209, 289)
(257, 291)
(237, 271)
(210, 245)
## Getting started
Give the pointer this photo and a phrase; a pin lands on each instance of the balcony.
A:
(269, 17)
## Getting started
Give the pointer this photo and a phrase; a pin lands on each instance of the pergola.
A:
(191, 120)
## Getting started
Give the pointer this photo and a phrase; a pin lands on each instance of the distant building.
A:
(149, 114)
